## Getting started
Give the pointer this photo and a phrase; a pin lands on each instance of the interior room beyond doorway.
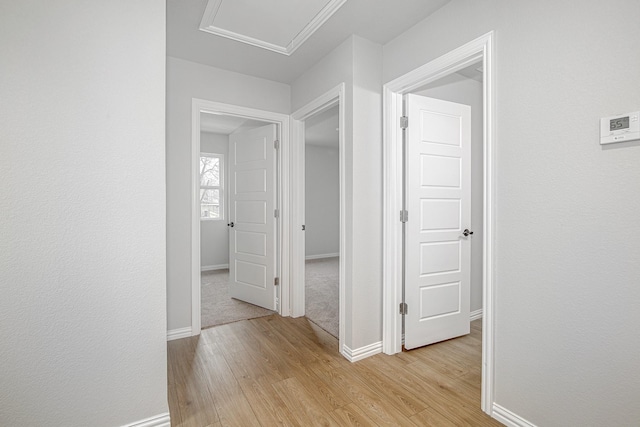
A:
(217, 305)
(322, 220)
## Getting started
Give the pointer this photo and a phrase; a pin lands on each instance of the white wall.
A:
(333, 69)
(366, 221)
(463, 90)
(322, 200)
(214, 234)
(185, 81)
(82, 220)
(357, 63)
(567, 208)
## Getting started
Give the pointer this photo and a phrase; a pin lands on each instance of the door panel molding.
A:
(437, 260)
(199, 106)
(249, 210)
(393, 92)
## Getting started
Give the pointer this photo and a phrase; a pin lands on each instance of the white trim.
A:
(282, 259)
(475, 315)
(214, 267)
(508, 418)
(322, 256)
(176, 334)
(362, 352)
(162, 420)
(335, 96)
(321, 17)
(478, 49)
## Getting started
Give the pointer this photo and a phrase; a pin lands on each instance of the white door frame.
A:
(199, 106)
(478, 49)
(330, 99)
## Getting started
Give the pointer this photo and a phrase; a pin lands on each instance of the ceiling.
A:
(473, 71)
(226, 125)
(377, 20)
(291, 21)
(322, 129)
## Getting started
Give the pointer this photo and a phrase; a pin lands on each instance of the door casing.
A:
(393, 92)
(199, 106)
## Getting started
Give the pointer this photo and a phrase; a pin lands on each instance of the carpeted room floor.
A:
(322, 293)
(321, 297)
(217, 307)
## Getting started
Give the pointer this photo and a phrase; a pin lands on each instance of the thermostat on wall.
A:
(620, 128)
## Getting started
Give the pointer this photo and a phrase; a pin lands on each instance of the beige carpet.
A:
(217, 307)
(322, 293)
(321, 297)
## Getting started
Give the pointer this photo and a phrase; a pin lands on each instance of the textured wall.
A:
(82, 213)
(366, 171)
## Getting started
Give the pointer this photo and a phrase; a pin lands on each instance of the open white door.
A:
(252, 234)
(438, 200)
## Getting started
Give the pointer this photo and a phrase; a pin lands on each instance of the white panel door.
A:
(252, 237)
(438, 200)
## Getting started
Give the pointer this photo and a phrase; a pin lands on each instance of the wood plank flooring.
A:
(274, 371)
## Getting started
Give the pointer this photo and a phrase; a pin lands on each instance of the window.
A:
(211, 197)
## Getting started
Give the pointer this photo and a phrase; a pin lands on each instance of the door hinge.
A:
(403, 308)
(276, 144)
(404, 122)
(276, 213)
(276, 281)
(404, 216)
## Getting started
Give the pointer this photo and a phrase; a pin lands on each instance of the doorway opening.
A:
(475, 54)
(318, 213)
(322, 219)
(443, 191)
(238, 269)
(222, 263)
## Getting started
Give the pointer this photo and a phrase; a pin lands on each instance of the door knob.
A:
(230, 224)
(466, 232)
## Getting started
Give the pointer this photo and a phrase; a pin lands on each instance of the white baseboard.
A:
(321, 256)
(162, 420)
(214, 267)
(475, 315)
(508, 418)
(176, 334)
(362, 352)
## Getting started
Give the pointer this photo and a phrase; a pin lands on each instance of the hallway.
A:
(284, 371)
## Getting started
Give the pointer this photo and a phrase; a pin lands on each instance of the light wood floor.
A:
(282, 371)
